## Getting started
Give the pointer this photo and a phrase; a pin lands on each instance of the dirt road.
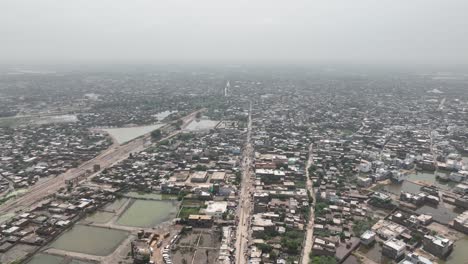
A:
(310, 225)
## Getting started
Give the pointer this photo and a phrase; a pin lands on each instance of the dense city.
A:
(233, 165)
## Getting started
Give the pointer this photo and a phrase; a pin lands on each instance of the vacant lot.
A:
(197, 246)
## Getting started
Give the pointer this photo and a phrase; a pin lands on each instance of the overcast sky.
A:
(234, 31)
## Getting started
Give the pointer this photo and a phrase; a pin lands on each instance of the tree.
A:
(200, 167)
(320, 208)
(265, 247)
(323, 260)
(362, 226)
(291, 245)
(156, 134)
(273, 255)
(178, 124)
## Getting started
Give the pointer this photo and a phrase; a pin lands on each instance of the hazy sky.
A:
(234, 31)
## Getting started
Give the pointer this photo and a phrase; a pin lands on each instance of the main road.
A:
(244, 209)
(112, 155)
(310, 225)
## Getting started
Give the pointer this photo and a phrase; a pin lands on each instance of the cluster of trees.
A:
(238, 178)
(312, 169)
(156, 134)
(268, 234)
(200, 167)
(359, 227)
(292, 241)
(386, 204)
(320, 208)
(185, 136)
(322, 260)
(178, 124)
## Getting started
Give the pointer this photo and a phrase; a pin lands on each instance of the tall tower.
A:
(226, 88)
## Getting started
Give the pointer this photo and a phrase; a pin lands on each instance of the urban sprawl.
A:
(242, 165)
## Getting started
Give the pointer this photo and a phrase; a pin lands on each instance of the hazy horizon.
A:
(418, 32)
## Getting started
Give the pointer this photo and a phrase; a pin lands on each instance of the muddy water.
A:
(459, 253)
(51, 259)
(150, 196)
(45, 259)
(99, 217)
(116, 205)
(146, 213)
(200, 125)
(90, 240)
(126, 134)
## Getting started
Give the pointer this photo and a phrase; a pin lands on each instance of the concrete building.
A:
(368, 237)
(437, 246)
(200, 220)
(218, 177)
(199, 176)
(216, 209)
(460, 223)
(394, 248)
(414, 258)
(364, 182)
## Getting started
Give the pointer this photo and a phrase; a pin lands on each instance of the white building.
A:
(368, 237)
(393, 248)
(215, 208)
(413, 258)
(365, 166)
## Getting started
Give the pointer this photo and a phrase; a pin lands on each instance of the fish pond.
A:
(125, 134)
(90, 240)
(148, 213)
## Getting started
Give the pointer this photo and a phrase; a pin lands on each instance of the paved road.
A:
(244, 209)
(310, 225)
(112, 155)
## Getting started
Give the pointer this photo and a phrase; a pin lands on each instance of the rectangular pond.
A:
(76, 261)
(152, 196)
(201, 125)
(161, 115)
(52, 259)
(46, 259)
(90, 240)
(116, 205)
(429, 177)
(99, 217)
(57, 119)
(148, 213)
(125, 134)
